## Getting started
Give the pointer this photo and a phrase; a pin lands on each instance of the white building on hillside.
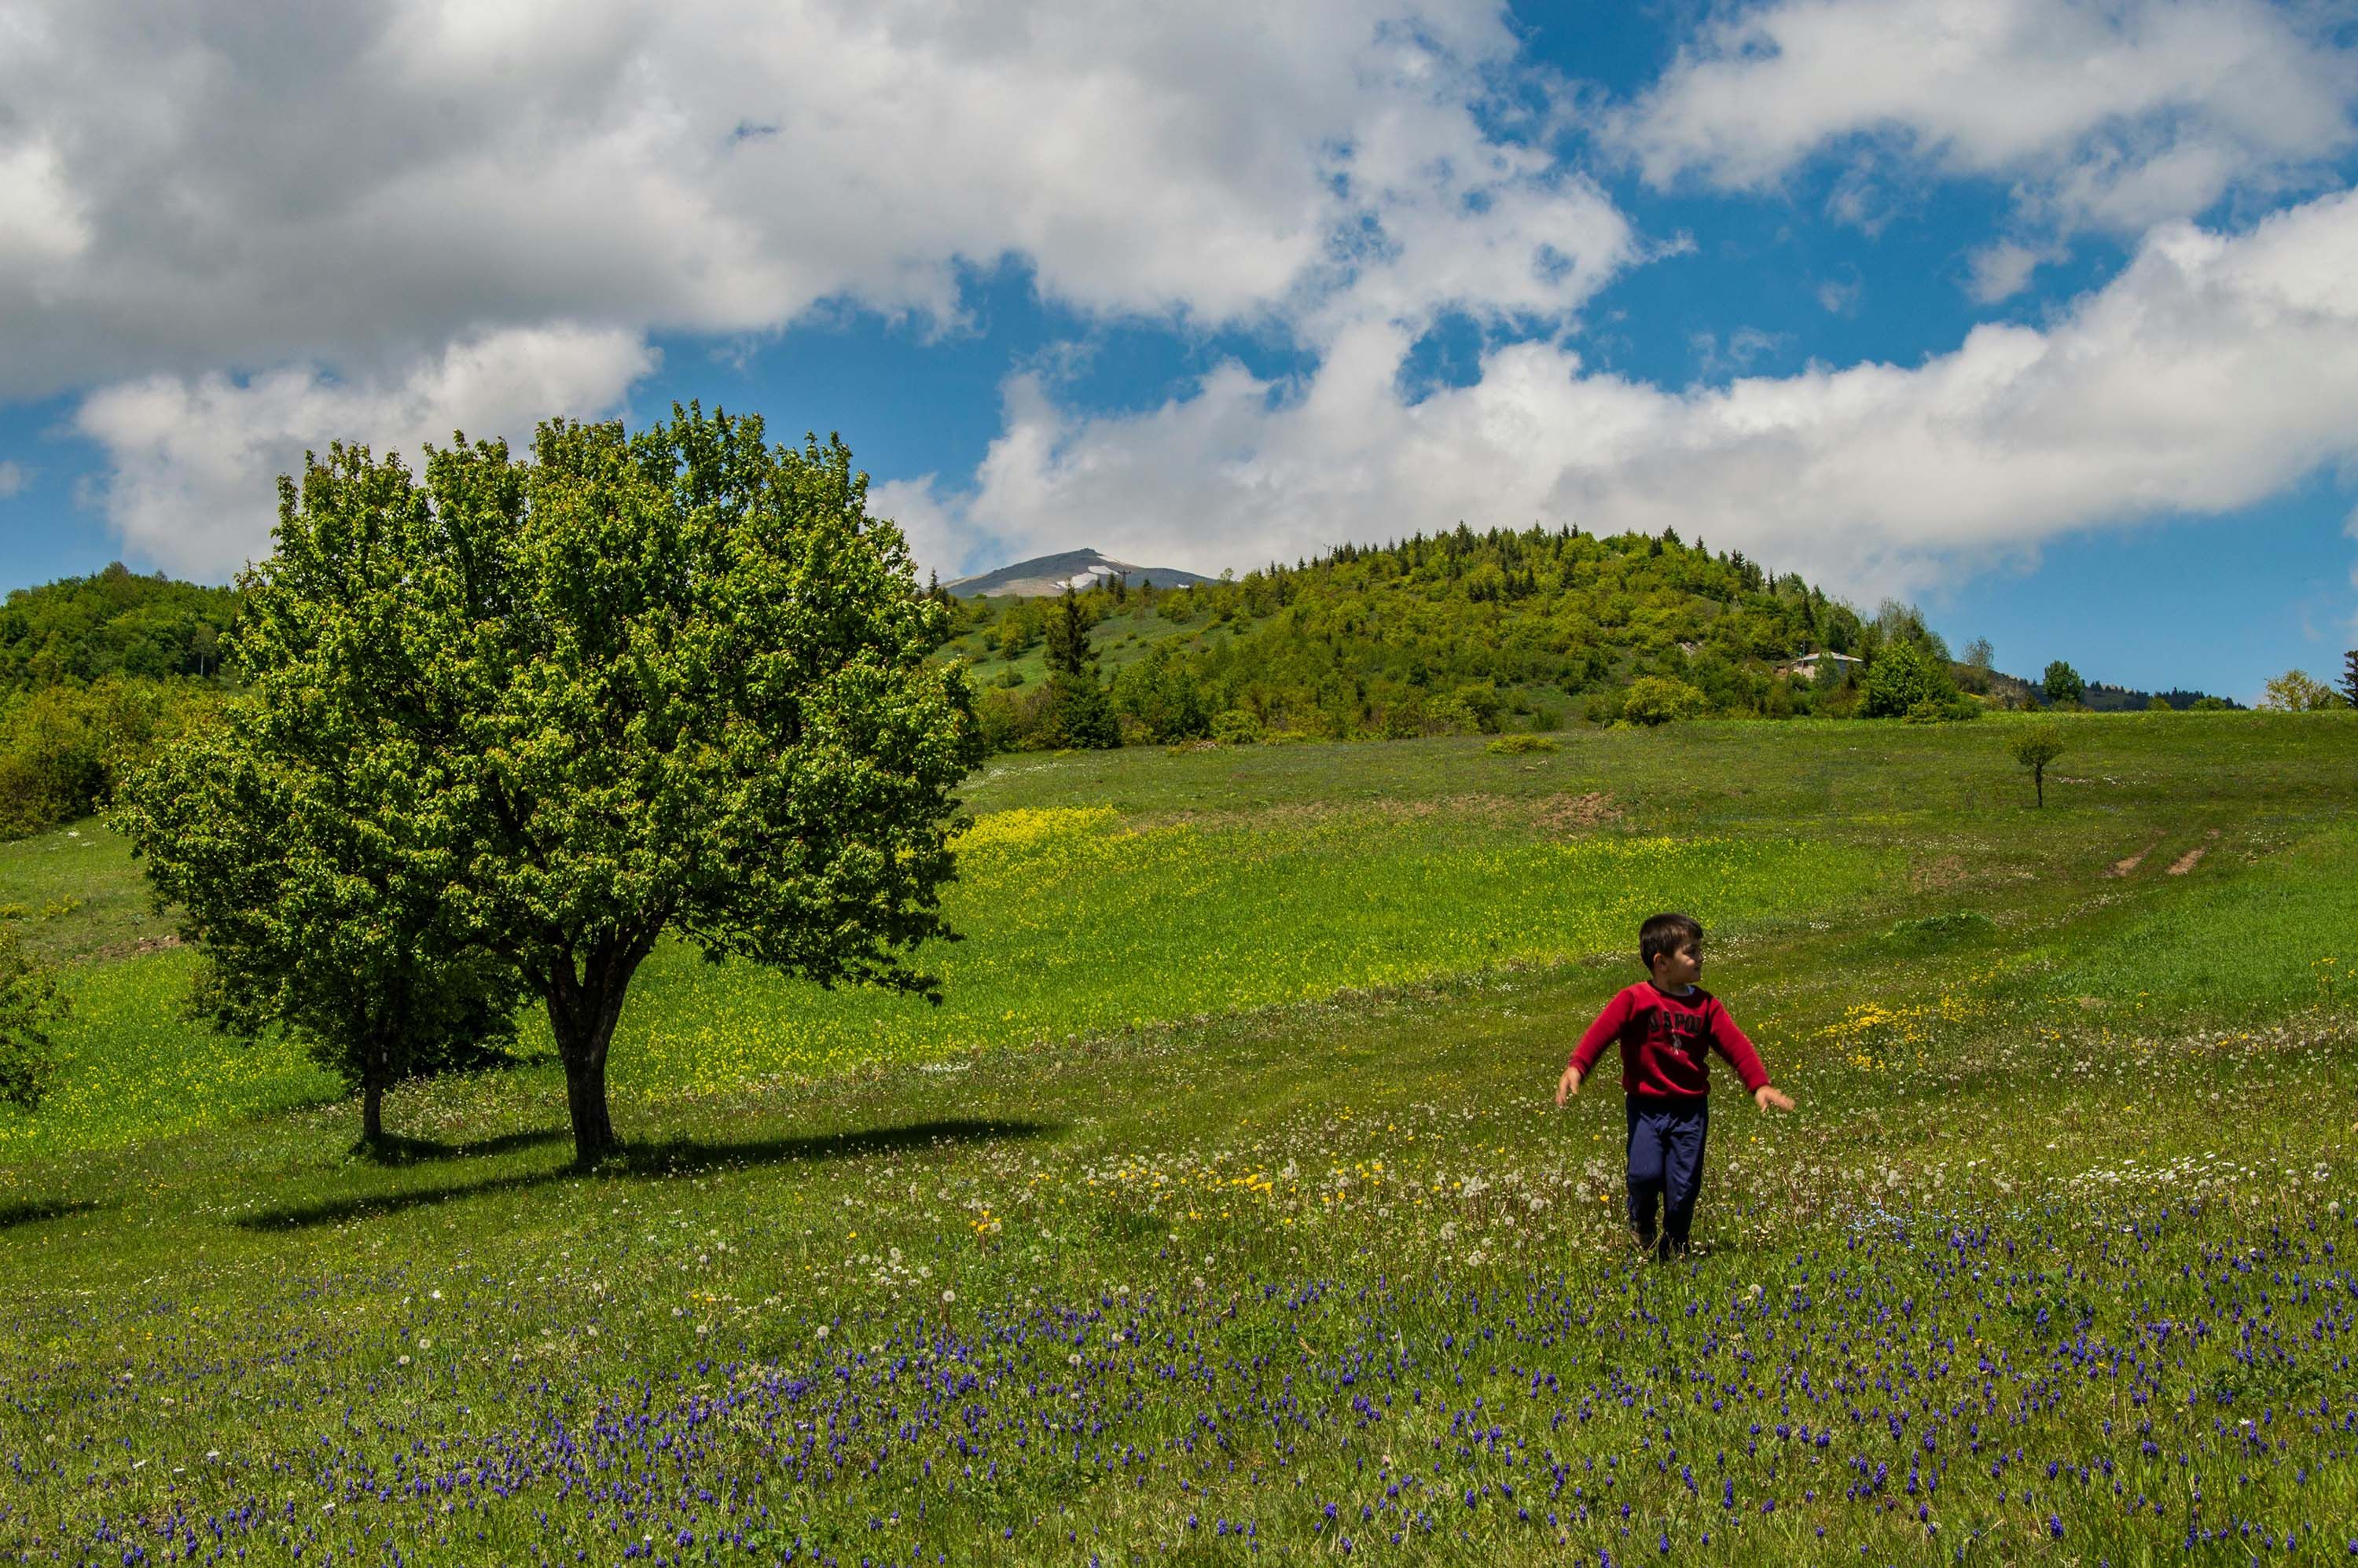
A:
(1806, 667)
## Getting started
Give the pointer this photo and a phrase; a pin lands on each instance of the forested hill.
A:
(1464, 632)
(115, 623)
(93, 671)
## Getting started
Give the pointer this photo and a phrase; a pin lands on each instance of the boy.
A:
(1666, 1024)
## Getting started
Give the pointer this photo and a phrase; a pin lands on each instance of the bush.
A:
(1237, 727)
(1905, 679)
(29, 1002)
(1520, 745)
(62, 749)
(1941, 930)
(1659, 699)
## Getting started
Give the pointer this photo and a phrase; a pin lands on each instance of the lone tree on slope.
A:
(2349, 677)
(2034, 749)
(671, 682)
(303, 871)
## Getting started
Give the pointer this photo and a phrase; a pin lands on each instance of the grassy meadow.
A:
(1223, 1210)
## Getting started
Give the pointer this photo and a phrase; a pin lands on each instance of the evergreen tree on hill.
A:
(1074, 710)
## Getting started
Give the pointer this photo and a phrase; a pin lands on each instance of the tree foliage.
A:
(2034, 748)
(2061, 685)
(62, 748)
(674, 682)
(301, 867)
(2295, 691)
(1657, 699)
(1907, 682)
(29, 1002)
(1074, 709)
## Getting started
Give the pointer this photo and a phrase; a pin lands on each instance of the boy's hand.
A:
(1768, 1094)
(1567, 1086)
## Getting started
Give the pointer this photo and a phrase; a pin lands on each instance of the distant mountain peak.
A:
(1082, 569)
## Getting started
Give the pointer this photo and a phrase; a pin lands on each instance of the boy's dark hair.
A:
(1666, 933)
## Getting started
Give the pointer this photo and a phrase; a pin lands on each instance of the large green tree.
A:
(670, 682)
(311, 884)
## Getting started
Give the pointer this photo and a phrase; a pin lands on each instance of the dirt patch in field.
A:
(2128, 863)
(1937, 876)
(1576, 812)
(2193, 857)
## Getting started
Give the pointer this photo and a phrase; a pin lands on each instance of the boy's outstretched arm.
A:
(1745, 1057)
(1567, 1086)
(1592, 1042)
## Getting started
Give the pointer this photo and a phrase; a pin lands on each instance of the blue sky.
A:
(2038, 313)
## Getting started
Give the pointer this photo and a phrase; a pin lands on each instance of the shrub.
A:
(1520, 745)
(1659, 699)
(1237, 727)
(1940, 930)
(1904, 679)
(29, 1001)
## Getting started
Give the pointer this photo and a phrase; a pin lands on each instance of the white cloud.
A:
(2209, 374)
(247, 183)
(2115, 113)
(12, 480)
(193, 459)
(2002, 269)
(45, 228)
(276, 224)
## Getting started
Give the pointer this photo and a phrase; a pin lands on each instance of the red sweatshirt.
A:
(1663, 1042)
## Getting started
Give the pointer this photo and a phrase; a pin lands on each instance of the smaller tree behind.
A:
(300, 851)
(2034, 749)
(29, 1003)
(2062, 684)
(2349, 677)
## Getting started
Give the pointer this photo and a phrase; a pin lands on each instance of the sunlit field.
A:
(1222, 1210)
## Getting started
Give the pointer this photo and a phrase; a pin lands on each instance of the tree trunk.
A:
(376, 1071)
(583, 1009)
(2039, 783)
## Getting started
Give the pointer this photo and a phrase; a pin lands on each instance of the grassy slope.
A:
(2005, 1156)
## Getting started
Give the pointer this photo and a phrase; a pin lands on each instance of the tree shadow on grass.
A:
(32, 1211)
(396, 1150)
(674, 1157)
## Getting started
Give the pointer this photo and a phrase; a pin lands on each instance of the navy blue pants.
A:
(1666, 1164)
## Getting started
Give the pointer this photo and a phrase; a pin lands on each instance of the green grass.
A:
(2071, 1179)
